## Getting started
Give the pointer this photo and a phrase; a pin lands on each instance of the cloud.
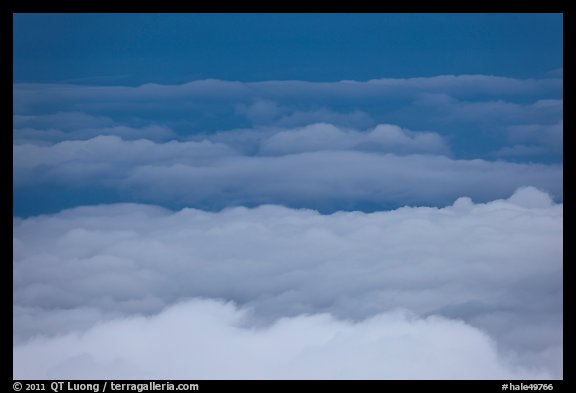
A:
(50, 136)
(62, 126)
(545, 134)
(338, 180)
(68, 121)
(353, 118)
(491, 112)
(84, 274)
(322, 136)
(556, 73)
(261, 111)
(104, 158)
(232, 274)
(30, 96)
(319, 166)
(466, 109)
(534, 140)
(205, 339)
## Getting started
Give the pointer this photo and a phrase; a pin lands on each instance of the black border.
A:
(167, 6)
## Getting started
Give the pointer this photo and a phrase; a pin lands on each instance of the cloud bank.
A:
(318, 166)
(482, 283)
(478, 113)
(346, 145)
(205, 339)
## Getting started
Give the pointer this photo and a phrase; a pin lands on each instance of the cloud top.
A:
(205, 339)
(496, 266)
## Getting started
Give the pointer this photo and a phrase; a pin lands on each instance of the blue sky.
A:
(176, 48)
(338, 196)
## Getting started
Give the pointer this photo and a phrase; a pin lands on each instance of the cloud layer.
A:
(204, 339)
(478, 113)
(496, 266)
(390, 228)
(347, 145)
(318, 166)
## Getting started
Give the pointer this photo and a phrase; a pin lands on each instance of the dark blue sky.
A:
(174, 48)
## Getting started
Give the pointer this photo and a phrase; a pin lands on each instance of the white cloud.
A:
(475, 112)
(310, 170)
(105, 158)
(204, 339)
(454, 99)
(497, 266)
(383, 138)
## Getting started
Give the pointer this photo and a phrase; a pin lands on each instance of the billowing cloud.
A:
(204, 339)
(484, 282)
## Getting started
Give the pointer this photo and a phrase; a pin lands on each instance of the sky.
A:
(177, 48)
(288, 196)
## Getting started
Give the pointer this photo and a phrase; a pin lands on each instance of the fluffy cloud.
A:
(466, 109)
(385, 138)
(205, 339)
(497, 266)
(319, 166)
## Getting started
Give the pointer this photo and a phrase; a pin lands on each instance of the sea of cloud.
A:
(470, 290)
(382, 229)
